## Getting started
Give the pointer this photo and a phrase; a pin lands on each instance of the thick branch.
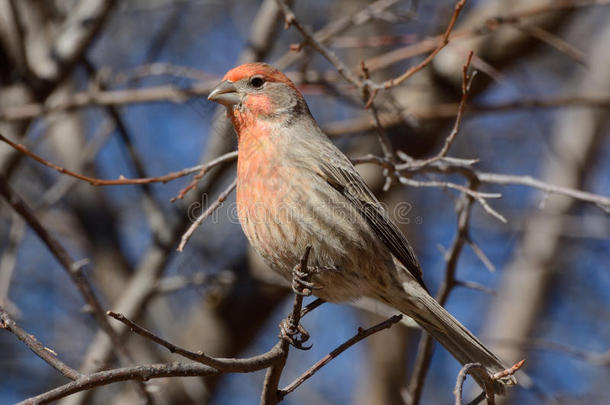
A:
(137, 373)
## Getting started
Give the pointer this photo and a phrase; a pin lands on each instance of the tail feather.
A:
(449, 332)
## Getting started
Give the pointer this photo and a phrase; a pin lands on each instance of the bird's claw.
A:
(300, 285)
(294, 335)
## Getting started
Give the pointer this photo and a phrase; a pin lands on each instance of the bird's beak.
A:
(225, 93)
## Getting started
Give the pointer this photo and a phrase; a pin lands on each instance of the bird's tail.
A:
(450, 333)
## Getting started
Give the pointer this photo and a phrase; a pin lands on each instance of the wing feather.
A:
(343, 177)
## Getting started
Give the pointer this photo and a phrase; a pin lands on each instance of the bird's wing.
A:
(344, 178)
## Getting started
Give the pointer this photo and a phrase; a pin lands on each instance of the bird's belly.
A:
(281, 218)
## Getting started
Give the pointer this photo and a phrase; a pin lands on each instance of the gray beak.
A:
(225, 93)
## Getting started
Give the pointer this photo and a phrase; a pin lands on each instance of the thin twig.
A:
(203, 168)
(73, 268)
(474, 368)
(484, 28)
(222, 364)
(475, 286)
(480, 197)
(481, 372)
(191, 229)
(311, 306)
(384, 140)
(505, 179)
(227, 157)
(481, 255)
(360, 335)
(554, 41)
(345, 71)
(444, 40)
(48, 355)
(466, 84)
(109, 97)
(342, 68)
(336, 27)
(424, 350)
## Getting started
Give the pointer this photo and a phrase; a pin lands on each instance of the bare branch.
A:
(73, 268)
(362, 334)
(289, 328)
(554, 41)
(475, 286)
(424, 350)
(137, 373)
(341, 67)
(442, 43)
(191, 229)
(48, 355)
(480, 197)
(334, 28)
(362, 123)
(202, 169)
(488, 26)
(225, 365)
(505, 179)
(466, 84)
(474, 368)
(109, 97)
(345, 71)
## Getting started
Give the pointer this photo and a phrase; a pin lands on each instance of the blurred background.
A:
(110, 88)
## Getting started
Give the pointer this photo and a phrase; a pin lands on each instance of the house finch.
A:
(296, 189)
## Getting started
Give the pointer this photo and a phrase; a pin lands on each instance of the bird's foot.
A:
(295, 335)
(300, 283)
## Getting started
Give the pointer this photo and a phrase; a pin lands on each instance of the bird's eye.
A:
(257, 81)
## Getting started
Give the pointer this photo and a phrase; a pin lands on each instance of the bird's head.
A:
(260, 91)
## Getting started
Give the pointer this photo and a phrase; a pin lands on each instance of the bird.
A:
(297, 191)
